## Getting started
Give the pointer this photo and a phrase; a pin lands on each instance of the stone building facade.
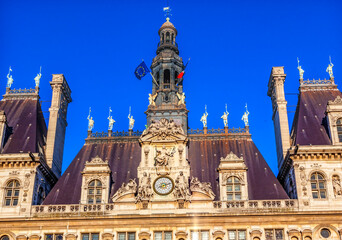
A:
(169, 182)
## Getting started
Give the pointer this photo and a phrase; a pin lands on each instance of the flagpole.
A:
(154, 80)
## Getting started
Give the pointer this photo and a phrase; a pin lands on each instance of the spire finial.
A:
(167, 11)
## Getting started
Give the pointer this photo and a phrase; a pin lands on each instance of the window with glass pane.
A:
(94, 192)
(94, 236)
(274, 234)
(122, 236)
(236, 235)
(131, 236)
(12, 190)
(168, 236)
(158, 236)
(339, 129)
(4, 237)
(199, 235)
(318, 186)
(55, 236)
(194, 235)
(233, 188)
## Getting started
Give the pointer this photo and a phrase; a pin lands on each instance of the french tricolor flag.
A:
(183, 72)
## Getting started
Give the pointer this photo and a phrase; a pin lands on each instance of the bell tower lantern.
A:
(167, 98)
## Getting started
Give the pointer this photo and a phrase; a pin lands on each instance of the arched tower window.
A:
(167, 36)
(158, 78)
(173, 38)
(318, 186)
(339, 129)
(176, 79)
(163, 38)
(233, 188)
(12, 190)
(94, 192)
(166, 78)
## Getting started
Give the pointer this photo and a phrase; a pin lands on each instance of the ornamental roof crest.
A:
(163, 130)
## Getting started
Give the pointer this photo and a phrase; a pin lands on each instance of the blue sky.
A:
(232, 44)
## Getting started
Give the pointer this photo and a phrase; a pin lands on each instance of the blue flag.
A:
(141, 70)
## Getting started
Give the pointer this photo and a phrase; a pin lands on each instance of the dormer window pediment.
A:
(334, 117)
(233, 178)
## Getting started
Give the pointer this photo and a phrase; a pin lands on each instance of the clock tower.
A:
(167, 99)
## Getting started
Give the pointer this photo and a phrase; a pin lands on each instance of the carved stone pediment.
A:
(181, 234)
(144, 235)
(338, 100)
(201, 187)
(231, 157)
(95, 161)
(127, 190)
(163, 131)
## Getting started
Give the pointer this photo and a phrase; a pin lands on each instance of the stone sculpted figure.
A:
(111, 120)
(205, 187)
(131, 122)
(145, 189)
(151, 99)
(182, 187)
(225, 117)
(301, 71)
(245, 116)
(129, 188)
(163, 156)
(337, 185)
(90, 121)
(9, 78)
(38, 77)
(181, 98)
(204, 118)
(330, 69)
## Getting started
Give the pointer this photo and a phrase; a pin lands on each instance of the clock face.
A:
(163, 185)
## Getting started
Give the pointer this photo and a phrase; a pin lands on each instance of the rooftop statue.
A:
(204, 117)
(181, 98)
(9, 78)
(330, 69)
(151, 99)
(90, 121)
(38, 77)
(301, 71)
(245, 117)
(111, 120)
(225, 117)
(131, 120)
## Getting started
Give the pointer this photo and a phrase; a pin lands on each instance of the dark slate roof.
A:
(310, 124)
(204, 156)
(26, 125)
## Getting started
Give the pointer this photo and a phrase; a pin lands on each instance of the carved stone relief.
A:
(181, 190)
(205, 187)
(303, 180)
(336, 182)
(145, 190)
(129, 188)
(164, 129)
(163, 156)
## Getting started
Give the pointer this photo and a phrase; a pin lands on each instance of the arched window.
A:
(166, 78)
(12, 190)
(307, 238)
(233, 188)
(176, 79)
(41, 195)
(318, 186)
(172, 39)
(162, 37)
(158, 77)
(94, 192)
(339, 129)
(4, 237)
(294, 238)
(167, 37)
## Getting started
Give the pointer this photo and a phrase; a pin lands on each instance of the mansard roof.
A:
(204, 156)
(310, 126)
(26, 129)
